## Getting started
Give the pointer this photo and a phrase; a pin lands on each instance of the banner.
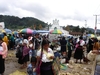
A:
(2, 25)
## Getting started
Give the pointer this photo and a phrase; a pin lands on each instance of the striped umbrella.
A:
(15, 32)
(2, 31)
(8, 31)
(26, 31)
(56, 31)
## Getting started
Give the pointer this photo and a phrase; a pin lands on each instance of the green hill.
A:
(14, 22)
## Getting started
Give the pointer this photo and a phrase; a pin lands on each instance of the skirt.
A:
(78, 53)
(24, 59)
(46, 68)
(2, 65)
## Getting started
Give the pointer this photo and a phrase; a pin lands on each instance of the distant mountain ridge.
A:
(92, 30)
(14, 22)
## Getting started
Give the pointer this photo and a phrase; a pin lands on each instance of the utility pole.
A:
(96, 23)
(86, 25)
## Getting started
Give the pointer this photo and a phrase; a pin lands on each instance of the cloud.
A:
(67, 11)
(24, 8)
(76, 16)
(38, 10)
(3, 9)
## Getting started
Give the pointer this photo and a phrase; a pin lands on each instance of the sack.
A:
(38, 68)
(98, 58)
(91, 56)
(19, 52)
(56, 66)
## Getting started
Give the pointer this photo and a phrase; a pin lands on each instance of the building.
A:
(56, 25)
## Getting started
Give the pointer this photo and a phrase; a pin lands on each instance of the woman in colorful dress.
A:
(3, 54)
(25, 57)
(79, 50)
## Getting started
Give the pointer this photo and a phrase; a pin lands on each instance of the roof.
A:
(75, 33)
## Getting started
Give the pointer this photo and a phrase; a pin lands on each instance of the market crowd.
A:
(41, 52)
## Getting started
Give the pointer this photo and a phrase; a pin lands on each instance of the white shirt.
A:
(31, 45)
(82, 43)
(1, 48)
(44, 56)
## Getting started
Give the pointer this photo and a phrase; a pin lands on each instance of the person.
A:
(3, 54)
(96, 45)
(36, 41)
(52, 44)
(96, 62)
(70, 48)
(46, 56)
(32, 52)
(31, 69)
(79, 49)
(5, 39)
(90, 43)
(11, 41)
(25, 57)
(19, 40)
(63, 43)
(30, 37)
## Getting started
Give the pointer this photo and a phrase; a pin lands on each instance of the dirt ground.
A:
(12, 65)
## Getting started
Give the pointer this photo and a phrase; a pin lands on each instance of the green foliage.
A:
(83, 29)
(13, 22)
(72, 28)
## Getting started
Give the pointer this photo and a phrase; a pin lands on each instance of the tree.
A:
(82, 29)
(13, 22)
(76, 29)
(67, 28)
(40, 27)
(34, 27)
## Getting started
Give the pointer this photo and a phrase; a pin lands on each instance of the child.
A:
(31, 48)
(31, 69)
(64, 58)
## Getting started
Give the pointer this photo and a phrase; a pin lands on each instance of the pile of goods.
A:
(11, 54)
(76, 69)
(18, 73)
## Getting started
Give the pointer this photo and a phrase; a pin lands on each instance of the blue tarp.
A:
(8, 31)
(42, 31)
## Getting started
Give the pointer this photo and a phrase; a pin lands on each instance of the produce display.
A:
(76, 69)
(18, 73)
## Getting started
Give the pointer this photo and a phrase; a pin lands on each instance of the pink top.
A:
(5, 50)
(25, 50)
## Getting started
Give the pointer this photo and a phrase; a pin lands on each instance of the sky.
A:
(68, 12)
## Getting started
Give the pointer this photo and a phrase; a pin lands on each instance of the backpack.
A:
(19, 52)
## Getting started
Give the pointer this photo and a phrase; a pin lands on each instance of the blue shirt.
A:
(30, 70)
